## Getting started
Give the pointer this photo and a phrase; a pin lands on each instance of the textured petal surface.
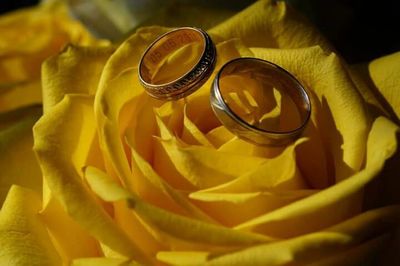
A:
(269, 23)
(179, 226)
(61, 166)
(384, 73)
(24, 239)
(61, 72)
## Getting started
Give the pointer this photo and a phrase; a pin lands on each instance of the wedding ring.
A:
(188, 77)
(242, 98)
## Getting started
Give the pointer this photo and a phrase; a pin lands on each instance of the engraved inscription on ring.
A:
(169, 45)
(155, 57)
(189, 81)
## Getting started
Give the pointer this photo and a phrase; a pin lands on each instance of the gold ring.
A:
(189, 77)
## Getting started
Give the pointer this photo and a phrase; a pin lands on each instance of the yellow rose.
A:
(130, 180)
(27, 38)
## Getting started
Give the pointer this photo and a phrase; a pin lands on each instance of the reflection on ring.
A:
(260, 102)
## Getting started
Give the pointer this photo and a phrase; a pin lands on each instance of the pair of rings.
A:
(244, 92)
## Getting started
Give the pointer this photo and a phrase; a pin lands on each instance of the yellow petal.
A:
(103, 262)
(172, 114)
(231, 209)
(205, 167)
(138, 232)
(66, 232)
(183, 257)
(361, 78)
(160, 193)
(361, 254)
(118, 85)
(16, 95)
(385, 74)
(320, 245)
(319, 173)
(23, 236)
(273, 184)
(28, 37)
(140, 136)
(219, 136)
(269, 23)
(338, 109)
(46, 29)
(237, 145)
(336, 203)
(191, 133)
(75, 70)
(171, 223)
(17, 161)
(62, 155)
(162, 163)
(279, 173)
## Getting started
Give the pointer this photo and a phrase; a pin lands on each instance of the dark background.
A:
(360, 30)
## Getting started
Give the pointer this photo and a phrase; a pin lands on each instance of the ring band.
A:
(160, 50)
(267, 71)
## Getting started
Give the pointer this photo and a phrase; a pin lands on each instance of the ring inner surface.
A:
(263, 96)
(172, 56)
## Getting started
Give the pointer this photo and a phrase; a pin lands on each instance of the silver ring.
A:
(268, 73)
(160, 50)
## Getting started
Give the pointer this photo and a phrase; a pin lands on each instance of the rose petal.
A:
(338, 109)
(384, 73)
(17, 161)
(354, 240)
(104, 262)
(16, 95)
(359, 255)
(61, 156)
(170, 223)
(58, 79)
(119, 84)
(361, 79)
(23, 236)
(336, 203)
(269, 186)
(241, 207)
(219, 135)
(191, 133)
(275, 174)
(206, 167)
(160, 193)
(183, 257)
(239, 146)
(270, 23)
(66, 232)
(311, 247)
(75, 70)
(172, 114)
(162, 163)
(30, 35)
